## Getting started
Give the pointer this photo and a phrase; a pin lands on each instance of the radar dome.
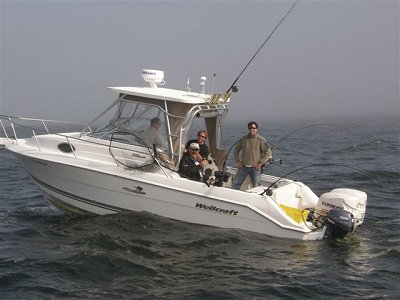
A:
(153, 77)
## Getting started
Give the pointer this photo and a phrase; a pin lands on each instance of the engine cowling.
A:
(350, 200)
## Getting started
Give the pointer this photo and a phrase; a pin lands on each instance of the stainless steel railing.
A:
(13, 128)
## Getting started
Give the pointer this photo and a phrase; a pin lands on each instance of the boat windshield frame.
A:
(175, 127)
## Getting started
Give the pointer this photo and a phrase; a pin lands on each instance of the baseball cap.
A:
(194, 146)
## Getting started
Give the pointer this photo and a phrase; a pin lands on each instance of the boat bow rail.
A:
(15, 128)
(127, 118)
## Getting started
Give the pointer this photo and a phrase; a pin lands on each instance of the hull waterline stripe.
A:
(77, 198)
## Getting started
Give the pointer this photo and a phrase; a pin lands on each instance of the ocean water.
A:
(45, 254)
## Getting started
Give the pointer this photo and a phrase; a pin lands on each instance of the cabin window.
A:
(129, 122)
(66, 148)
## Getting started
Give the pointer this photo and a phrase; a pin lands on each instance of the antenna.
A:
(203, 80)
(213, 84)
(187, 85)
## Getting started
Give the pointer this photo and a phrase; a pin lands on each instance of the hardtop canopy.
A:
(167, 94)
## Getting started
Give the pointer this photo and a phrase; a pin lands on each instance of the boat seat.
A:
(287, 195)
(295, 194)
(297, 214)
(256, 190)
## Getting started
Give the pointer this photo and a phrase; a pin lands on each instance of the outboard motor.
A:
(339, 223)
(350, 200)
(341, 211)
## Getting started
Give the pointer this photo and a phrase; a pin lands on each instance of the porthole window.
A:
(66, 148)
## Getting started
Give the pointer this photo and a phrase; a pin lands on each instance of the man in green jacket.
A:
(255, 152)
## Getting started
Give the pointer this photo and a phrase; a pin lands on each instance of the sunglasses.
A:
(194, 149)
(251, 128)
(202, 136)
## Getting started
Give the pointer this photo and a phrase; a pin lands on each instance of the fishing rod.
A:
(278, 143)
(233, 87)
(275, 145)
(268, 190)
(305, 127)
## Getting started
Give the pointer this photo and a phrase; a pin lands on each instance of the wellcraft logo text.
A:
(217, 209)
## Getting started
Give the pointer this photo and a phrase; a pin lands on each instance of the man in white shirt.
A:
(152, 136)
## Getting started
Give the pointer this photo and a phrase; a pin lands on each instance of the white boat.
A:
(107, 168)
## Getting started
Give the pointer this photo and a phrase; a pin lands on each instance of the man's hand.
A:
(202, 163)
(258, 166)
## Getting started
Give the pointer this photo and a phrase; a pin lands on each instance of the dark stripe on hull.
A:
(60, 204)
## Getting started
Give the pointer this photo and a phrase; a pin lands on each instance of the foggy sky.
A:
(327, 59)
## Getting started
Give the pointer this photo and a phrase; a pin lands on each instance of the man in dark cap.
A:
(191, 165)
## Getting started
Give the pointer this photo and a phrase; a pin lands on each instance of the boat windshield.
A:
(145, 122)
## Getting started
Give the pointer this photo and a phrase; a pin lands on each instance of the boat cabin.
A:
(126, 123)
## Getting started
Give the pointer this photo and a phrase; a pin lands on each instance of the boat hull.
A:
(87, 190)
